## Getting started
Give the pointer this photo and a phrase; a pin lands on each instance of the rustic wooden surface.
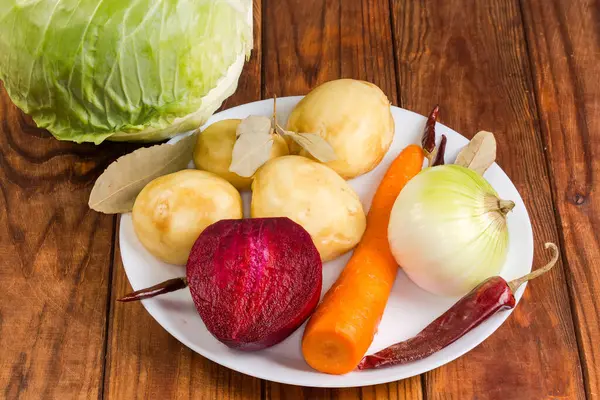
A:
(528, 70)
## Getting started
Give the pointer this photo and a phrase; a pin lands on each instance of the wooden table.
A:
(528, 70)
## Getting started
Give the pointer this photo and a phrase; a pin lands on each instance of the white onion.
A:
(448, 230)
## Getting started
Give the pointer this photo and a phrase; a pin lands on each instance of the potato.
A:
(354, 117)
(172, 211)
(314, 196)
(213, 150)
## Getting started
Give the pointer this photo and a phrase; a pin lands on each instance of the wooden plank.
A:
(308, 43)
(311, 42)
(143, 360)
(56, 257)
(563, 38)
(401, 390)
(471, 58)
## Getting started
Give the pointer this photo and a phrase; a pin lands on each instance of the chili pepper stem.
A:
(438, 159)
(429, 157)
(514, 284)
(168, 286)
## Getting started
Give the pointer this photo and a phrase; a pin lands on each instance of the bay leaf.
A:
(479, 154)
(254, 125)
(118, 186)
(250, 151)
(318, 147)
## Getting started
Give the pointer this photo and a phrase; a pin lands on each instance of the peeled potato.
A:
(314, 196)
(354, 117)
(172, 211)
(214, 147)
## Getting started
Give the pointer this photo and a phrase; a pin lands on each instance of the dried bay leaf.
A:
(479, 154)
(254, 125)
(318, 147)
(118, 186)
(251, 150)
(255, 140)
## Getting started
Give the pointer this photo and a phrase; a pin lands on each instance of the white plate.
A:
(409, 308)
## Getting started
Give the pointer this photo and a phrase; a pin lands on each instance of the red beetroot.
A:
(253, 281)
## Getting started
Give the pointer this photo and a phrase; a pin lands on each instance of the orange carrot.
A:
(342, 328)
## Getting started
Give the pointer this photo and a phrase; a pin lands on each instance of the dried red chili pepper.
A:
(428, 139)
(439, 154)
(491, 296)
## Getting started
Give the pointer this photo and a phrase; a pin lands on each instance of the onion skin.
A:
(448, 230)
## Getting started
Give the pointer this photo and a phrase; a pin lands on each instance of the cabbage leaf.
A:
(143, 70)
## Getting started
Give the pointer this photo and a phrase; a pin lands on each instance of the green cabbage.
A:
(132, 70)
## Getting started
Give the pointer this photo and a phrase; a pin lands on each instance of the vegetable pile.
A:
(91, 70)
(254, 281)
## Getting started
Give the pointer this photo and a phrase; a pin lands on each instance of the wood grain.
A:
(563, 39)
(527, 70)
(401, 390)
(56, 257)
(143, 360)
(471, 58)
(308, 43)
